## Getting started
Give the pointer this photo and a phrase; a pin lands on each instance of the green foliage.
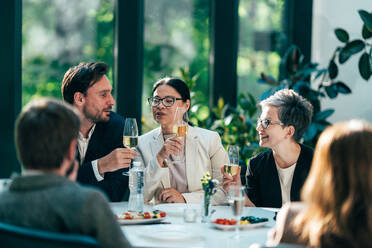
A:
(88, 36)
(296, 74)
(235, 125)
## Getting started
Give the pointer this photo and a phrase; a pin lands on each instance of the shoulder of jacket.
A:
(202, 131)
(151, 133)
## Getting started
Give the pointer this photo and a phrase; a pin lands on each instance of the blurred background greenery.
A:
(59, 34)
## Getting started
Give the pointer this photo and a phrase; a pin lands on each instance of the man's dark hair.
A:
(80, 78)
(43, 133)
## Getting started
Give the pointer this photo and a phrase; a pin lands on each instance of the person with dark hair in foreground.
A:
(175, 165)
(336, 209)
(100, 142)
(43, 197)
(276, 176)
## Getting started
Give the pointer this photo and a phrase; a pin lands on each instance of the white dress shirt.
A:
(83, 146)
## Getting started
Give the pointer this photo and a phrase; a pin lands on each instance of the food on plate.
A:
(156, 214)
(245, 220)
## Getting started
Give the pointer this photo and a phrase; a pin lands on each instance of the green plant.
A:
(296, 74)
(236, 125)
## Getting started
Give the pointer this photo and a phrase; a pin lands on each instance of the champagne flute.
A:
(130, 137)
(180, 126)
(232, 167)
(236, 195)
(180, 122)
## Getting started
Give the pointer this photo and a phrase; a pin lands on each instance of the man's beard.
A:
(95, 118)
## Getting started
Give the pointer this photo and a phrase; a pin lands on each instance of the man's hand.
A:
(117, 159)
(171, 195)
(172, 146)
(73, 174)
(230, 180)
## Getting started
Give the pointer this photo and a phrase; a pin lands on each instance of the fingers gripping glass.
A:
(265, 123)
(130, 137)
(167, 101)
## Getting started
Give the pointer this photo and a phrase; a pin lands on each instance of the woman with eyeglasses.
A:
(174, 166)
(277, 175)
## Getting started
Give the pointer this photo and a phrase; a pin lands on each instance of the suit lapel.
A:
(298, 178)
(191, 155)
(93, 150)
(157, 143)
(77, 155)
(274, 192)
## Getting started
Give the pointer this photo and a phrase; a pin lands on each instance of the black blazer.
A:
(106, 137)
(263, 186)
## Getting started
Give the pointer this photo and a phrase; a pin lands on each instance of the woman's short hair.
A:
(179, 85)
(293, 110)
(338, 191)
(43, 133)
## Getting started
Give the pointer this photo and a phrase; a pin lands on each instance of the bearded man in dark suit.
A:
(100, 142)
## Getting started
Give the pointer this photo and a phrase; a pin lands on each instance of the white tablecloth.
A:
(194, 234)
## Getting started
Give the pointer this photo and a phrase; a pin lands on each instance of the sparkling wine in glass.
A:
(231, 169)
(130, 137)
(180, 126)
(236, 195)
(180, 122)
(233, 153)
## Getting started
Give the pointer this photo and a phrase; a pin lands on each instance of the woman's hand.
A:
(172, 146)
(230, 180)
(171, 195)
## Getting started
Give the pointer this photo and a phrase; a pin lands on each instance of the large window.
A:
(176, 36)
(61, 33)
(260, 24)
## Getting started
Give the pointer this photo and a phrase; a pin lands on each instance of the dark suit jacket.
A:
(263, 186)
(53, 203)
(107, 136)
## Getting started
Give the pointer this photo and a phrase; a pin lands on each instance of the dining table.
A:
(175, 230)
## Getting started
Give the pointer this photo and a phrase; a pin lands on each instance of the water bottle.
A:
(136, 186)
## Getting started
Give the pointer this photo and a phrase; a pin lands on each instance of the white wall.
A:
(328, 15)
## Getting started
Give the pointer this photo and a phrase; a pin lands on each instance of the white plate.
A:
(242, 227)
(139, 221)
(175, 209)
(171, 233)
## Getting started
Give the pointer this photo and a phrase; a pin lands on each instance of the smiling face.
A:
(165, 115)
(274, 134)
(98, 101)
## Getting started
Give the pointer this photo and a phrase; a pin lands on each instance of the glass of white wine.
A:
(236, 200)
(233, 153)
(180, 126)
(232, 167)
(130, 137)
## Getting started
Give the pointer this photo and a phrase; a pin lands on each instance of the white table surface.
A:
(195, 234)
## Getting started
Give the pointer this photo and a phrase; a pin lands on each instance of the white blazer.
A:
(204, 153)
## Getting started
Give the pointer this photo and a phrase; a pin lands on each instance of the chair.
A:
(283, 245)
(16, 236)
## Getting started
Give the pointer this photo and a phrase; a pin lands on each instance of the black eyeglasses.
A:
(167, 101)
(265, 123)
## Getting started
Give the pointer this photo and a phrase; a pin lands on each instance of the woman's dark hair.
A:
(179, 85)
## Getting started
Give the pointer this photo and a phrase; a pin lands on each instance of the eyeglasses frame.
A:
(150, 100)
(270, 122)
